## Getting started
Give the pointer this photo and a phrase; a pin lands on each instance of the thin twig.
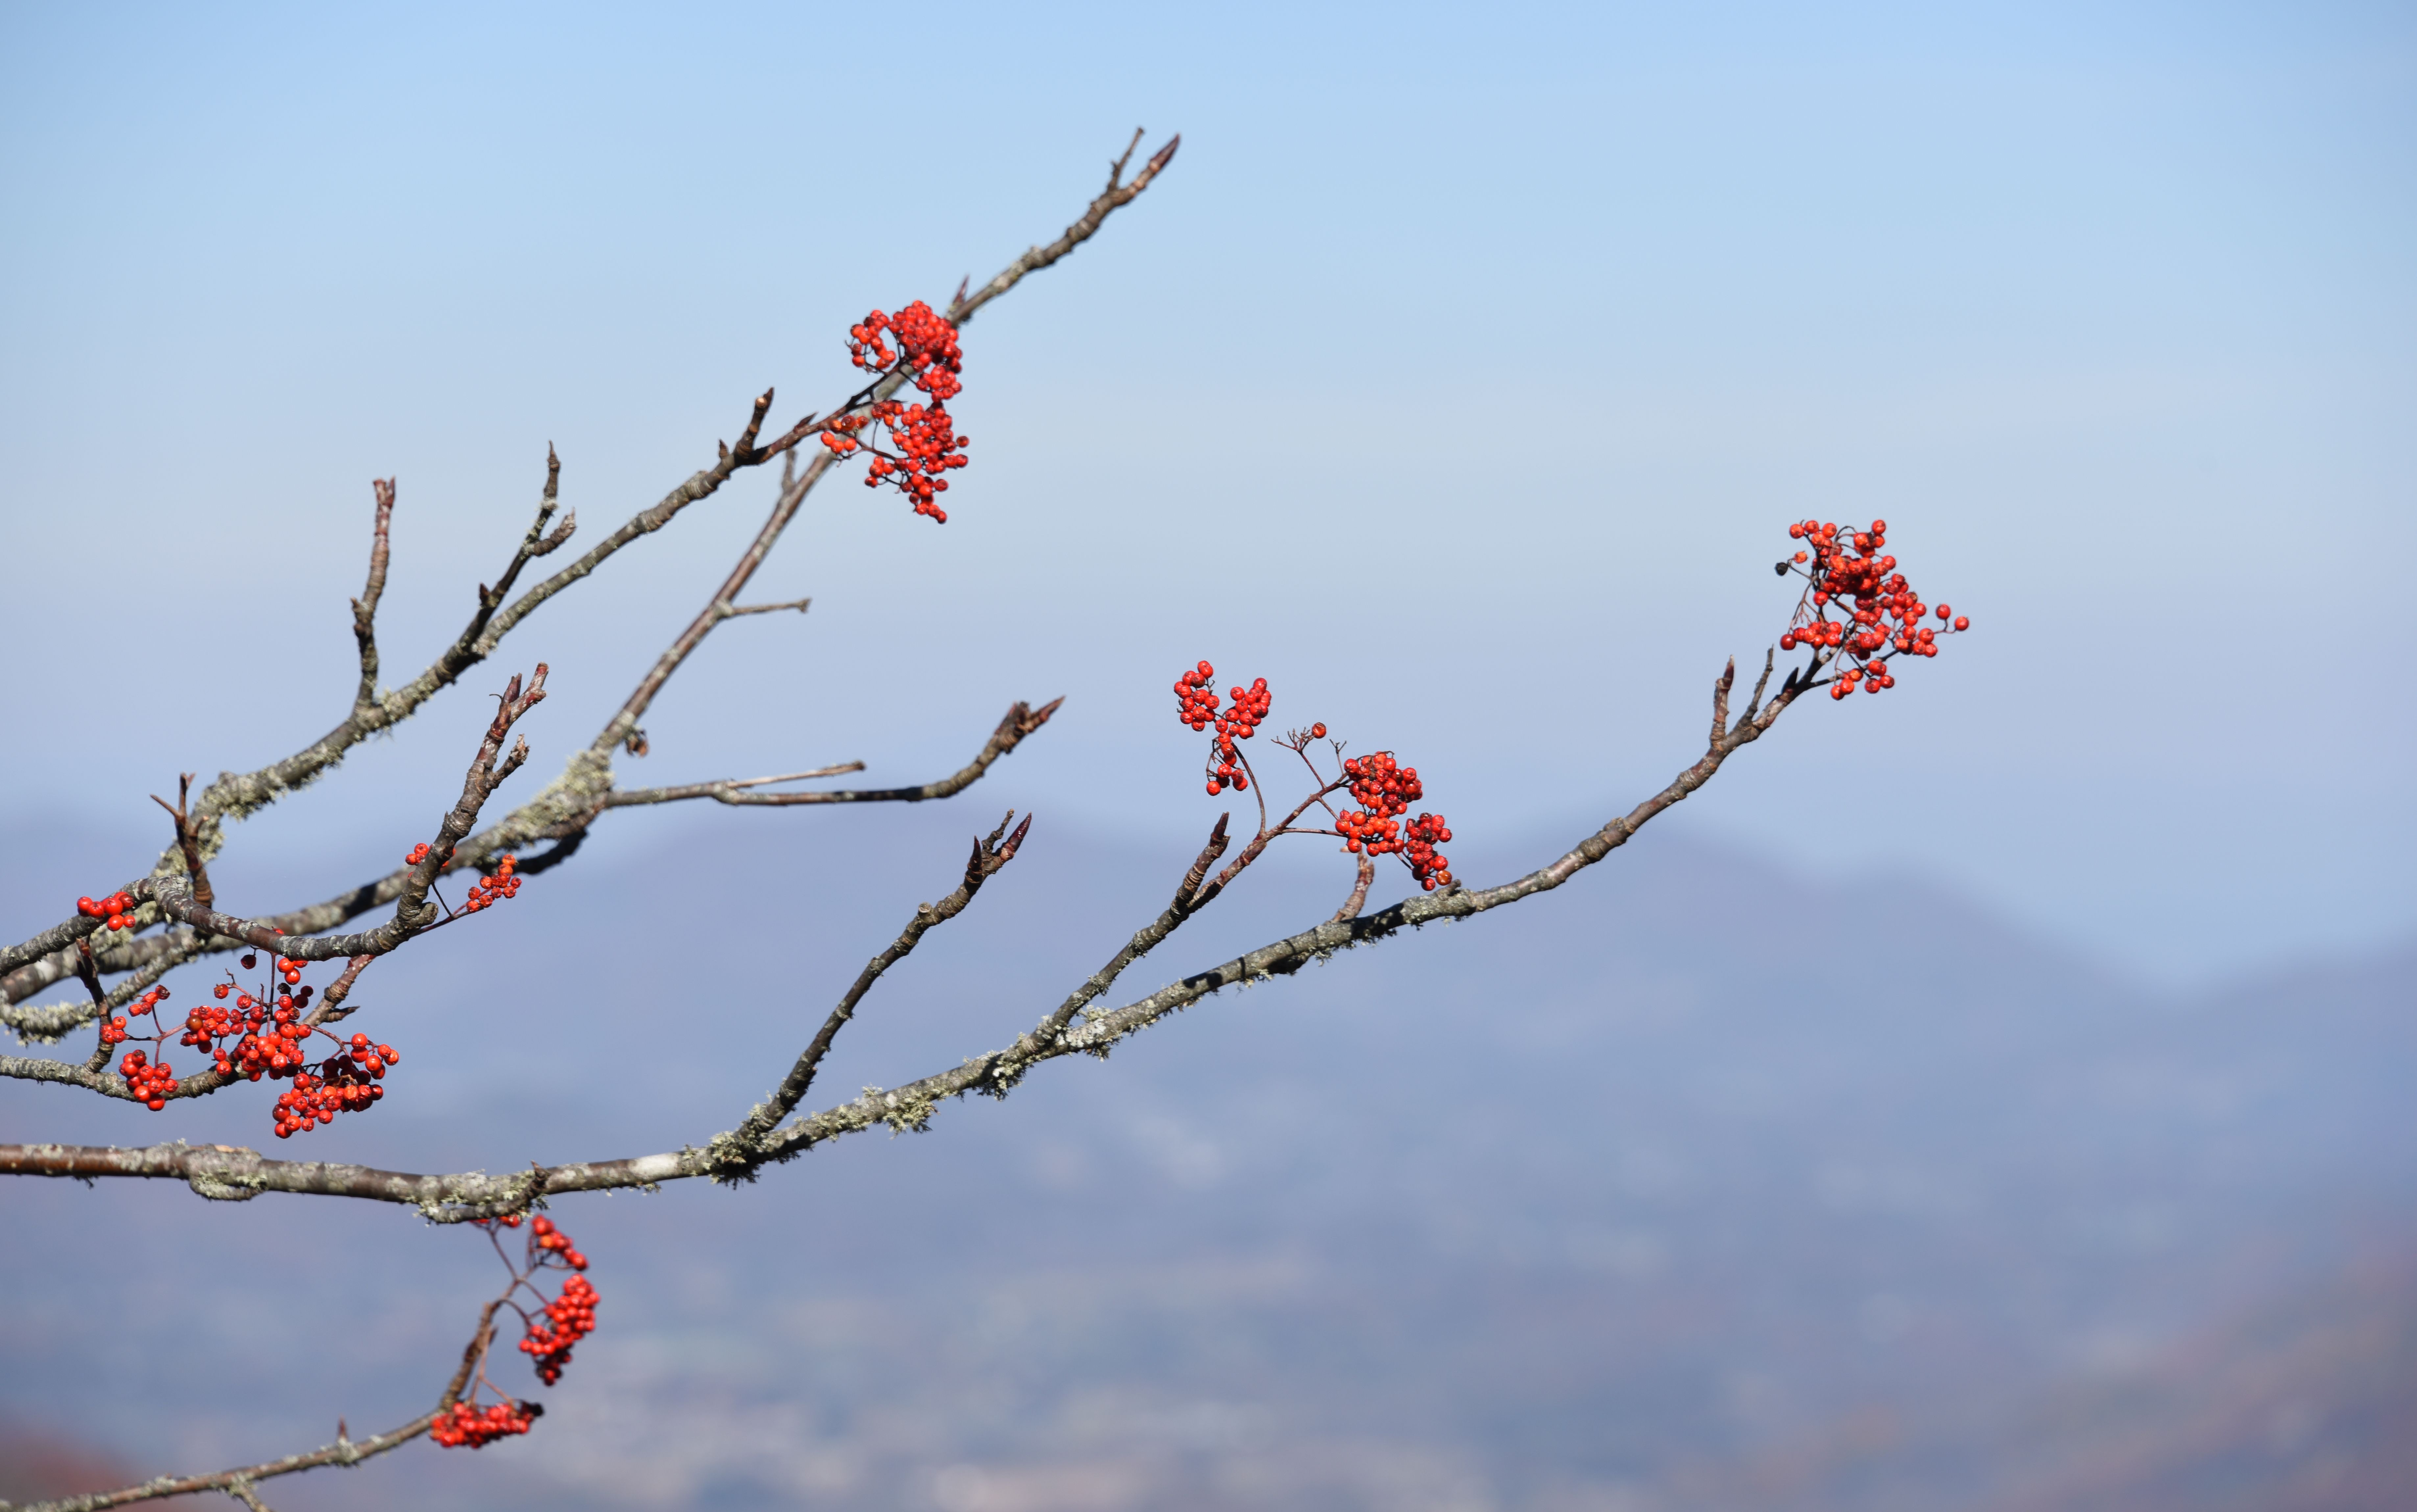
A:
(341, 1452)
(1021, 720)
(365, 608)
(989, 856)
(346, 1450)
(619, 728)
(1359, 898)
(1115, 196)
(188, 843)
(734, 611)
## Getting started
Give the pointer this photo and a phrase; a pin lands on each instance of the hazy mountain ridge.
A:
(1694, 1183)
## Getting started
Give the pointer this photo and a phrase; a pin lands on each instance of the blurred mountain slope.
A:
(1694, 1183)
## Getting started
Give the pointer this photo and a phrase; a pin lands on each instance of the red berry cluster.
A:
(1382, 786)
(1196, 701)
(462, 1425)
(151, 1081)
(1384, 789)
(928, 445)
(268, 1035)
(558, 1325)
(1241, 721)
(117, 1030)
(1882, 614)
(927, 344)
(1431, 867)
(112, 910)
(548, 1239)
(493, 890)
(337, 1085)
(1249, 711)
(1195, 704)
(567, 1318)
(418, 853)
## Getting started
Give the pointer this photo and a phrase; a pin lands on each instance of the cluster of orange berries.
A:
(1196, 701)
(546, 1236)
(928, 444)
(418, 855)
(1195, 704)
(493, 890)
(340, 1085)
(1883, 615)
(928, 447)
(1431, 867)
(1249, 709)
(117, 1030)
(1241, 721)
(112, 910)
(273, 1033)
(462, 1425)
(1385, 789)
(558, 1325)
(927, 344)
(151, 1081)
(567, 1318)
(1382, 786)
(268, 1032)
(206, 1025)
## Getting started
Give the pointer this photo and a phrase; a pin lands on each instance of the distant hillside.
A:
(1695, 1184)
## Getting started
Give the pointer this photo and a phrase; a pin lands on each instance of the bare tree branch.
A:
(241, 1490)
(988, 858)
(619, 728)
(50, 941)
(234, 795)
(1116, 195)
(414, 914)
(543, 818)
(733, 612)
(1022, 719)
(228, 1173)
(341, 1452)
(365, 608)
(344, 1451)
(48, 1022)
(188, 844)
(1359, 898)
(560, 813)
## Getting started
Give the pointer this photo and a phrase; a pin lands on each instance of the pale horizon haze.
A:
(1460, 377)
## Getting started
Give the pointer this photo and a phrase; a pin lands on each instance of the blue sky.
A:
(1460, 379)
